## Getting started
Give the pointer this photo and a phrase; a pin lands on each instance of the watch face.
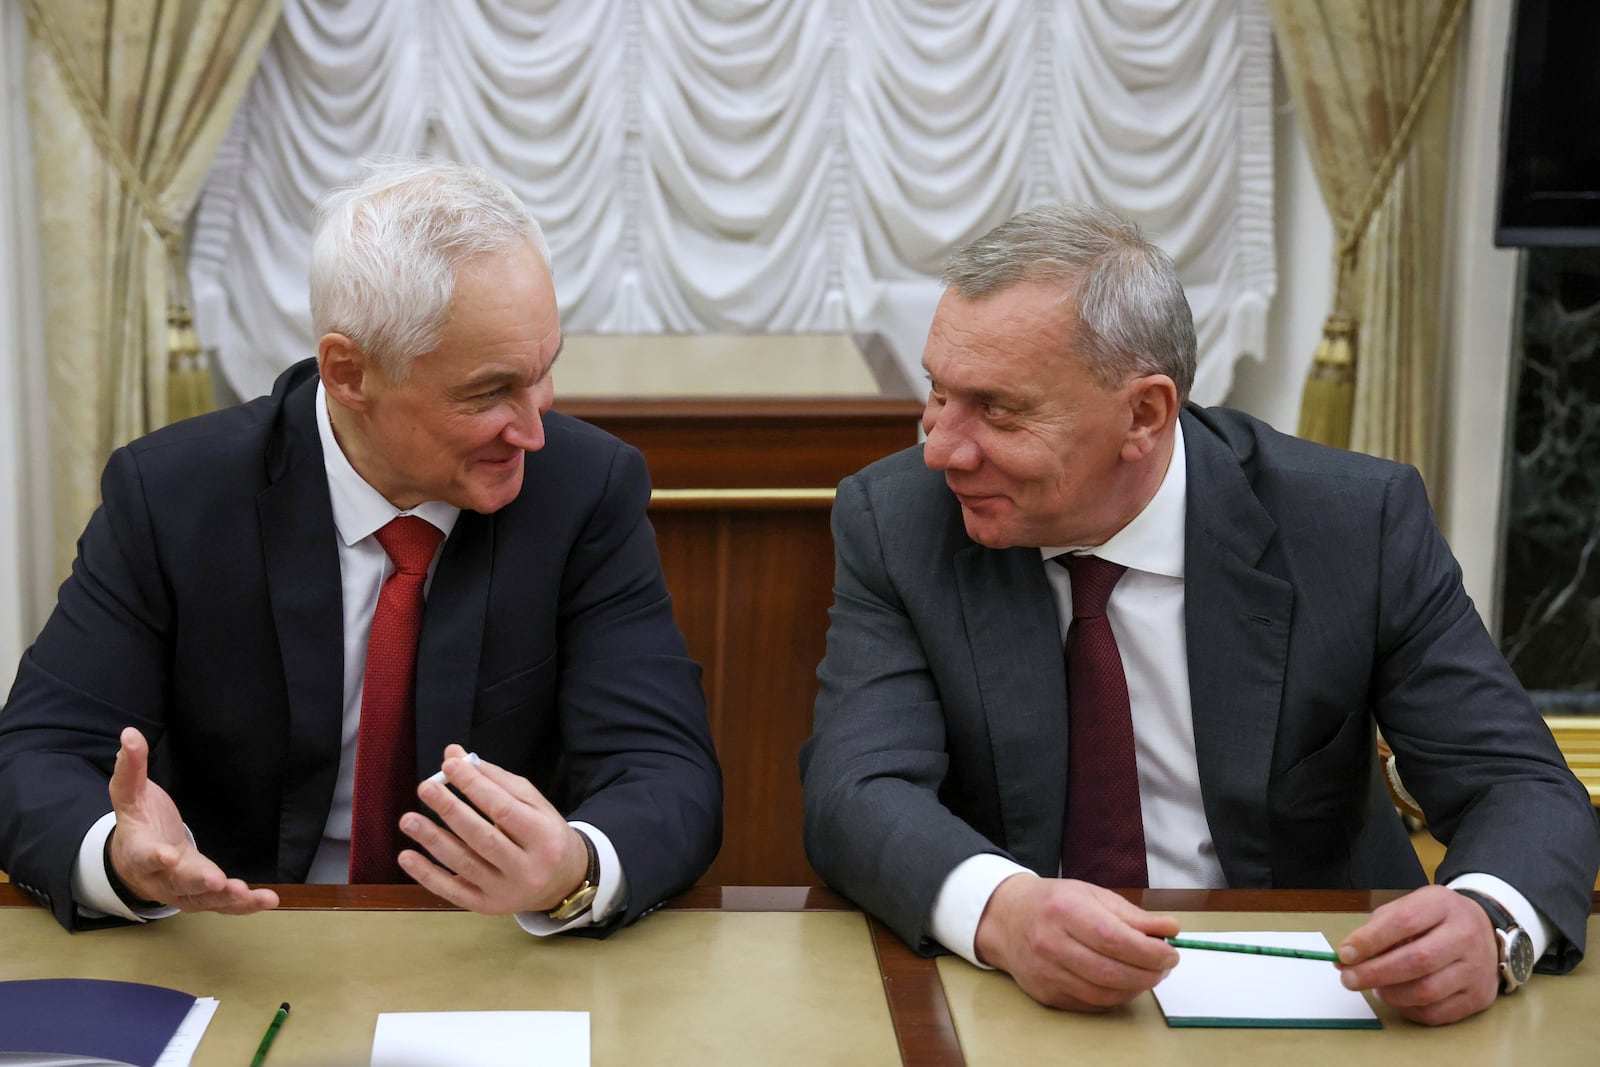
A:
(1519, 955)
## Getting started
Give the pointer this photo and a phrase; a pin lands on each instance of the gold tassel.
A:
(188, 379)
(1399, 795)
(1328, 404)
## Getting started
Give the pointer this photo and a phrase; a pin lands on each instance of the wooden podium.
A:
(746, 438)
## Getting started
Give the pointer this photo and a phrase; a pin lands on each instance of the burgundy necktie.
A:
(386, 745)
(1103, 841)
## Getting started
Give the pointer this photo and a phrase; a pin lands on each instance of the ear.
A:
(1152, 409)
(347, 373)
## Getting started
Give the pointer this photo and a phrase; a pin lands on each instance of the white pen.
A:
(470, 757)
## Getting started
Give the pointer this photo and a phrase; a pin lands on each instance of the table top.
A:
(753, 969)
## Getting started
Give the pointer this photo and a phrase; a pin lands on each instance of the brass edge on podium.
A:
(1578, 737)
(741, 498)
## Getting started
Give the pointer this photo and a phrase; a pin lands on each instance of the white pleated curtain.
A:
(790, 166)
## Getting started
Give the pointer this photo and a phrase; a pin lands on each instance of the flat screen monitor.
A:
(1550, 127)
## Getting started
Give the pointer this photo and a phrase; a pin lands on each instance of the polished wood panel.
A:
(762, 444)
(743, 491)
(922, 1023)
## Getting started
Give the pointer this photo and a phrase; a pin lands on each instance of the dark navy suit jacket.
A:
(204, 609)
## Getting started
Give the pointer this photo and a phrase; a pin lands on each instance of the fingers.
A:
(235, 897)
(131, 772)
(186, 879)
(503, 848)
(1124, 932)
(442, 883)
(456, 767)
(1073, 945)
(519, 818)
(466, 861)
(1149, 923)
(1451, 1009)
(1431, 954)
(1394, 924)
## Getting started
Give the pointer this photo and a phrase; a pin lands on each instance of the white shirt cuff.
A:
(610, 898)
(91, 885)
(1540, 932)
(965, 893)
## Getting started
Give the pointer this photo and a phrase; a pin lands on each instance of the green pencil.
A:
(1254, 950)
(272, 1032)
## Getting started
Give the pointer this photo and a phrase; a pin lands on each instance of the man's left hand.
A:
(1431, 955)
(514, 853)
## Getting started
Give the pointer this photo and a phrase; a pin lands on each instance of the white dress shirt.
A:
(359, 511)
(1146, 615)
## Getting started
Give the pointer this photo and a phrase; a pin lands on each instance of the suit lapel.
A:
(452, 639)
(302, 565)
(1237, 622)
(1011, 626)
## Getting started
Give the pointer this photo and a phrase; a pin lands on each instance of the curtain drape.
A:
(791, 166)
(1372, 88)
(128, 100)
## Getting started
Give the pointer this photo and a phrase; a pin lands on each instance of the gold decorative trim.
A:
(1578, 737)
(741, 498)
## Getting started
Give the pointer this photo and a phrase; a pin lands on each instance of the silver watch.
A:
(1516, 947)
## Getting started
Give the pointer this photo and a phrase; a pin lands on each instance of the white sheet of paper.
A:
(482, 1039)
(181, 1048)
(1235, 985)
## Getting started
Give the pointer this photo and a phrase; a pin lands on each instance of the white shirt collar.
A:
(359, 510)
(1153, 540)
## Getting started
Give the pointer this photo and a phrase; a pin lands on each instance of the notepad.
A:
(91, 1022)
(482, 1039)
(1232, 989)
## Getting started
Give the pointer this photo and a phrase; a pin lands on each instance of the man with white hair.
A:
(292, 624)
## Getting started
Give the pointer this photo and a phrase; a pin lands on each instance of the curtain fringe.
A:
(1327, 406)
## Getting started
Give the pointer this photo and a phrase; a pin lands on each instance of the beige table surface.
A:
(1554, 1021)
(681, 987)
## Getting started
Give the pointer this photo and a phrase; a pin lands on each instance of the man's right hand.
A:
(1074, 945)
(150, 851)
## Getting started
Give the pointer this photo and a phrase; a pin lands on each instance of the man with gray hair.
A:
(292, 626)
(1090, 636)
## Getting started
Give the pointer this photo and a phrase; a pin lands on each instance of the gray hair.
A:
(385, 250)
(1132, 316)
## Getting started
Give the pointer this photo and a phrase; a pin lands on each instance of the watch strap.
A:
(1505, 927)
(582, 898)
(1498, 915)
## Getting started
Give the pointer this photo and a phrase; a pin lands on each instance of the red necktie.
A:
(386, 745)
(1103, 841)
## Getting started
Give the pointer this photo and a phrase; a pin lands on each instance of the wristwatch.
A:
(1516, 947)
(582, 898)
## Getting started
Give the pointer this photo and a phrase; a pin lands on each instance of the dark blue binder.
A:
(120, 1022)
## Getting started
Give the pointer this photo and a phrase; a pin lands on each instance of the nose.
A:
(949, 446)
(525, 430)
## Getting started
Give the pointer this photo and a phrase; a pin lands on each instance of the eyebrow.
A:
(494, 377)
(996, 397)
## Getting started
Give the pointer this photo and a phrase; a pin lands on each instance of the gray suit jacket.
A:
(1320, 598)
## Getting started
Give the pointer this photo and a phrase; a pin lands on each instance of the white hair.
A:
(386, 248)
(1132, 315)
